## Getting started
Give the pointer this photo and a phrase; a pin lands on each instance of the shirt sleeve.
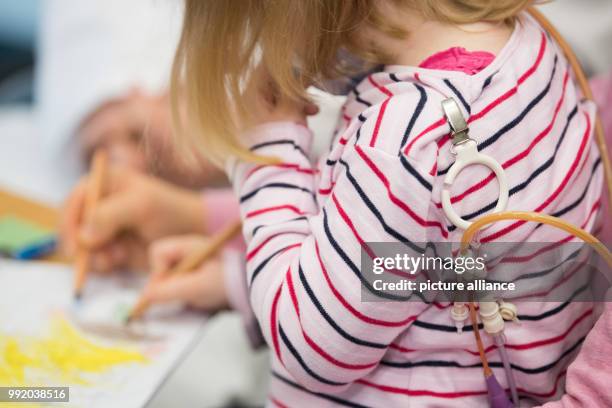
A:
(303, 259)
(238, 295)
(220, 207)
(588, 377)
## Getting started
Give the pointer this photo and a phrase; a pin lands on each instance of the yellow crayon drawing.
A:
(62, 357)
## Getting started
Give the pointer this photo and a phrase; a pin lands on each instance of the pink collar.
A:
(458, 59)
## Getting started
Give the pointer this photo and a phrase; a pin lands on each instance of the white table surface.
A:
(221, 368)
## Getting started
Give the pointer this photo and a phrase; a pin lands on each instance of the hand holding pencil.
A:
(187, 268)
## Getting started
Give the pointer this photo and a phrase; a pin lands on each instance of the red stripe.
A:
(274, 324)
(363, 244)
(456, 394)
(289, 279)
(519, 156)
(546, 394)
(311, 342)
(526, 258)
(380, 88)
(526, 346)
(350, 307)
(278, 403)
(332, 360)
(551, 340)
(555, 286)
(326, 191)
(381, 113)
(276, 208)
(421, 393)
(255, 250)
(397, 201)
(554, 195)
(400, 348)
(492, 105)
(513, 90)
(295, 167)
(424, 132)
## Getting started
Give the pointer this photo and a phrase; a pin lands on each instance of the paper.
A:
(45, 340)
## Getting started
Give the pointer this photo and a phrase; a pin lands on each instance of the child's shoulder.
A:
(400, 107)
(389, 110)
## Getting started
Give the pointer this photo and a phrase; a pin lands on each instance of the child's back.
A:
(382, 181)
(306, 227)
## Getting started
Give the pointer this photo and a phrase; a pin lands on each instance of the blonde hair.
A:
(221, 38)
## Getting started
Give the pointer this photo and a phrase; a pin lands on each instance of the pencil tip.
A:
(77, 297)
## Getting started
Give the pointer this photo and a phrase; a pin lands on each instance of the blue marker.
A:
(35, 250)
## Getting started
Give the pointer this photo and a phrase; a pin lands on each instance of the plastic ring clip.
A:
(467, 154)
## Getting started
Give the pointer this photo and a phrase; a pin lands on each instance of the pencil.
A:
(93, 192)
(189, 264)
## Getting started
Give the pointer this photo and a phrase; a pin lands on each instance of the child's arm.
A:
(589, 376)
(303, 261)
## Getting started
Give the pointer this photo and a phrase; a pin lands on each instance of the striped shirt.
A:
(381, 182)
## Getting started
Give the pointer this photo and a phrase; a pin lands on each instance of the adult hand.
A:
(134, 210)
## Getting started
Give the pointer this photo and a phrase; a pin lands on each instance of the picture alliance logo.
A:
(414, 264)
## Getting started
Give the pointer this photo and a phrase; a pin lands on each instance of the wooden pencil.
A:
(93, 193)
(189, 264)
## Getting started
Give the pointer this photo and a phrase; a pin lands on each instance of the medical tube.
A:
(499, 342)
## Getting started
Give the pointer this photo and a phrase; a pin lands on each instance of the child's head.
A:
(297, 41)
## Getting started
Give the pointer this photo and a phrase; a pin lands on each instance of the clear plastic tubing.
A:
(499, 342)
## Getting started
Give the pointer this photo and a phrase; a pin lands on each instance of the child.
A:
(381, 182)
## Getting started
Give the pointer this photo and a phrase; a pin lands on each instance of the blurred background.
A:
(70, 68)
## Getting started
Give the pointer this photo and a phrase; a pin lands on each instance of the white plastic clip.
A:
(467, 154)
(492, 320)
(508, 311)
(459, 314)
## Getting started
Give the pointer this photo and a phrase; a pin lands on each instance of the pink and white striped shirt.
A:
(381, 182)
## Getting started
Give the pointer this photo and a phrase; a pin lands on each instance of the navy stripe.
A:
(394, 78)
(353, 267)
(415, 115)
(357, 136)
(328, 397)
(468, 328)
(496, 364)
(459, 95)
(364, 197)
(331, 321)
(275, 185)
(415, 173)
(285, 222)
(265, 262)
(542, 273)
(300, 360)
(557, 309)
(487, 81)
(513, 123)
(575, 204)
(361, 100)
(278, 143)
